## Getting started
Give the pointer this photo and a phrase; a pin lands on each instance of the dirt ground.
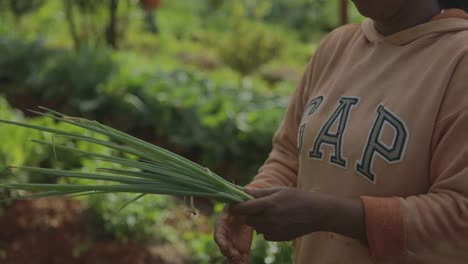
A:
(52, 231)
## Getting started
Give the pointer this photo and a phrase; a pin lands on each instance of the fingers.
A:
(243, 259)
(250, 207)
(221, 232)
(234, 256)
(256, 206)
(224, 240)
(226, 247)
(259, 193)
(239, 258)
(250, 188)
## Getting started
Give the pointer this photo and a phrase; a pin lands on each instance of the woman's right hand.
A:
(233, 237)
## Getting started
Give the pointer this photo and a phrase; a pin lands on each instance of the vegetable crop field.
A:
(207, 81)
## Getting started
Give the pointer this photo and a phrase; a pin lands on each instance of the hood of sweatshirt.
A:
(451, 20)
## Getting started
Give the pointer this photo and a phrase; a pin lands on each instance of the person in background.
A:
(150, 7)
(370, 164)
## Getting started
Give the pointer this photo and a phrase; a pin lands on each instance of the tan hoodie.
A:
(384, 119)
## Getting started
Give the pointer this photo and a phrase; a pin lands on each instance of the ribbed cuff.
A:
(385, 227)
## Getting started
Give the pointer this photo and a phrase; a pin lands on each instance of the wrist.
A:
(345, 217)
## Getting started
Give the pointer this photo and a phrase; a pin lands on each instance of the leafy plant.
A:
(306, 16)
(144, 221)
(77, 76)
(18, 151)
(218, 122)
(21, 63)
(33, 74)
(249, 46)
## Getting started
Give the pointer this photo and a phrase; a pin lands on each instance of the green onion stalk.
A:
(152, 170)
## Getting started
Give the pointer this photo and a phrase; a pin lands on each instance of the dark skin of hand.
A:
(233, 237)
(286, 213)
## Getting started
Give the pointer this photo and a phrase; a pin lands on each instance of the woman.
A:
(370, 164)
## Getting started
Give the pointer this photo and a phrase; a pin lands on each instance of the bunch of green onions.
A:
(154, 170)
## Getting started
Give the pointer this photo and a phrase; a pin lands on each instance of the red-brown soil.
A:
(52, 231)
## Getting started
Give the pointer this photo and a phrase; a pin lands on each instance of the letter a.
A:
(325, 136)
(374, 146)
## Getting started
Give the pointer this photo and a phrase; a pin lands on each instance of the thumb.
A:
(259, 193)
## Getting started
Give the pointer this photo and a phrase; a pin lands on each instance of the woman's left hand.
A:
(282, 214)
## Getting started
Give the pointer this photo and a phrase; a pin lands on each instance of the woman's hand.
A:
(284, 214)
(233, 237)
(280, 214)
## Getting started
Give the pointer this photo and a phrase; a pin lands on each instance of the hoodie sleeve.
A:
(281, 167)
(431, 228)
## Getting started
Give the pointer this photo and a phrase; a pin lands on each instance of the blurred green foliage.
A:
(31, 69)
(249, 46)
(214, 123)
(212, 86)
(141, 222)
(16, 148)
(21, 7)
